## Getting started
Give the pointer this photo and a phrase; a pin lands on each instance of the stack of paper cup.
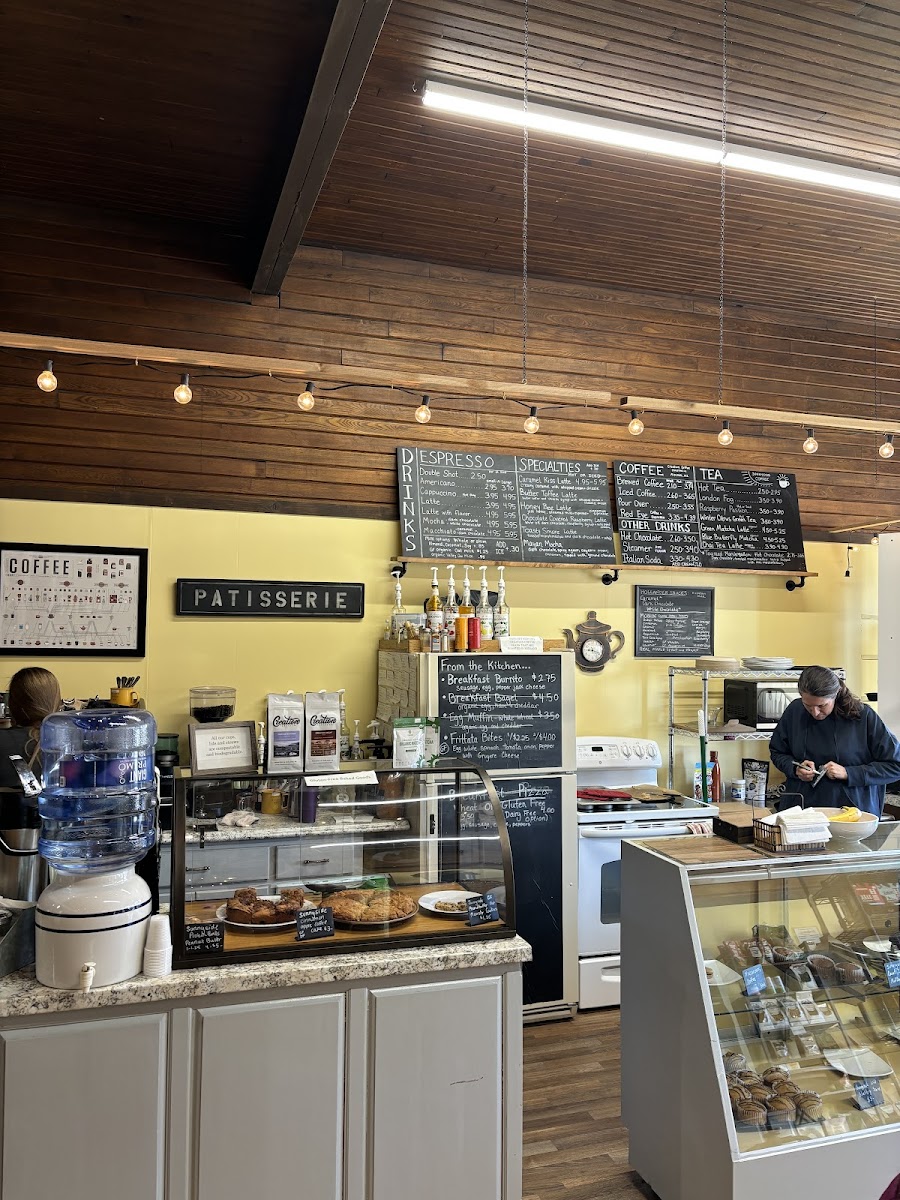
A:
(158, 947)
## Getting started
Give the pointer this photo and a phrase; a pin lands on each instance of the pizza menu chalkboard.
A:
(479, 506)
(708, 517)
(672, 622)
(504, 711)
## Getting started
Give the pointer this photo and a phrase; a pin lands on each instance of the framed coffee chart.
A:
(72, 600)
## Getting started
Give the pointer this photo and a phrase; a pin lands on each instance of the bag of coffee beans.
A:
(323, 731)
(284, 726)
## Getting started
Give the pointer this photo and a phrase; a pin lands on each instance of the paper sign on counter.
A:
(520, 644)
(341, 779)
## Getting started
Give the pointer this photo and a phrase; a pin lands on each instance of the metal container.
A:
(23, 876)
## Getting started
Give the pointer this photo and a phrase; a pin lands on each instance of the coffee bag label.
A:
(284, 725)
(323, 723)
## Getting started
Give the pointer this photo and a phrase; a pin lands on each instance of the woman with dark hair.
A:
(829, 730)
(33, 694)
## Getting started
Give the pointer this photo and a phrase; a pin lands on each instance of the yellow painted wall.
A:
(831, 620)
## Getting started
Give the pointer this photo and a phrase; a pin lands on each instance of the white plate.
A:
(721, 975)
(278, 925)
(430, 900)
(881, 945)
(864, 1063)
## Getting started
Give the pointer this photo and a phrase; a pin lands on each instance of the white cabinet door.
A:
(84, 1111)
(435, 1124)
(271, 1092)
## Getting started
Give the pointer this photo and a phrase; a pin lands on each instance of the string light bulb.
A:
(306, 400)
(810, 446)
(532, 424)
(183, 393)
(423, 412)
(635, 425)
(725, 436)
(886, 449)
(47, 381)
(873, 541)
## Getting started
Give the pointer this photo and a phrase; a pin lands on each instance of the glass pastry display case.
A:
(761, 1018)
(361, 860)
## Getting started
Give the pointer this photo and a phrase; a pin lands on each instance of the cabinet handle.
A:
(190, 870)
(314, 862)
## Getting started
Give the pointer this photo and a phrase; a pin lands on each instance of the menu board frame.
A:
(642, 590)
(509, 508)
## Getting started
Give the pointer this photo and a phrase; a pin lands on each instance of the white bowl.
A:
(850, 831)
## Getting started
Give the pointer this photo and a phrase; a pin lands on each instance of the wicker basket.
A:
(768, 837)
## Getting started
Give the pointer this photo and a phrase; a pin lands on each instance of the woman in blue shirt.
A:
(828, 727)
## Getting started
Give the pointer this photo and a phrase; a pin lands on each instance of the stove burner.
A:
(611, 806)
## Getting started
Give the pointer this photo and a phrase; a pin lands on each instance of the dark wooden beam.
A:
(351, 41)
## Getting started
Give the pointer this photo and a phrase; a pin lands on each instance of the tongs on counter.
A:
(818, 777)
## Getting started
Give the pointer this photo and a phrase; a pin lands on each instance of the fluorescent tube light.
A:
(546, 118)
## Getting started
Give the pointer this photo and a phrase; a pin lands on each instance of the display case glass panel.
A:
(359, 861)
(802, 970)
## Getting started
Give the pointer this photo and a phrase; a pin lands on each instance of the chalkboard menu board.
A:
(672, 622)
(478, 506)
(505, 711)
(708, 517)
(533, 810)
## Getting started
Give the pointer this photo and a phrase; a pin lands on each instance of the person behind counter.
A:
(33, 694)
(829, 729)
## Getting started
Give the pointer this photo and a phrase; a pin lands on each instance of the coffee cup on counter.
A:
(125, 697)
(271, 802)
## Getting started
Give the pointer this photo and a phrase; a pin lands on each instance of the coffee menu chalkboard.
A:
(708, 517)
(672, 622)
(504, 711)
(478, 506)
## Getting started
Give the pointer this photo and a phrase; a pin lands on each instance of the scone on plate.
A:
(238, 912)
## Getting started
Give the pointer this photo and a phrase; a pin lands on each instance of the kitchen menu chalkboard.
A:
(712, 517)
(504, 711)
(478, 506)
(671, 622)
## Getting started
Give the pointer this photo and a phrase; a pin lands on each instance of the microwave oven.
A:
(758, 704)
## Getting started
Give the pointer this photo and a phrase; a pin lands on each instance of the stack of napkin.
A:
(800, 826)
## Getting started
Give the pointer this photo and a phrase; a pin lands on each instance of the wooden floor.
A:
(575, 1145)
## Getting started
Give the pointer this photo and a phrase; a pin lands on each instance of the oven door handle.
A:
(625, 833)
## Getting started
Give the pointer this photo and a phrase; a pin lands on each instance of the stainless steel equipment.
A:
(603, 824)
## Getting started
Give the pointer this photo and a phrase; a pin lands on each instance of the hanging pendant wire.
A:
(721, 378)
(525, 68)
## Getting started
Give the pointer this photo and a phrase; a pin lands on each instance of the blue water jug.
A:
(98, 802)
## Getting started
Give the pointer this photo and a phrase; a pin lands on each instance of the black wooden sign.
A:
(267, 598)
(478, 506)
(868, 1093)
(482, 909)
(208, 937)
(314, 923)
(504, 711)
(532, 806)
(673, 622)
(711, 517)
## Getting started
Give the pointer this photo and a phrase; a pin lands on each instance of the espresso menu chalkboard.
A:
(708, 517)
(672, 622)
(478, 506)
(504, 711)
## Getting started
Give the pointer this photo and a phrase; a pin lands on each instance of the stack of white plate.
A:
(768, 664)
(709, 662)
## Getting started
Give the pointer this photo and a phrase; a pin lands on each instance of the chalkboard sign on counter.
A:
(672, 622)
(477, 506)
(206, 937)
(504, 711)
(711, 517)
(532, 807)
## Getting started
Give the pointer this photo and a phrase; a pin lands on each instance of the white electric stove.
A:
(614, 763)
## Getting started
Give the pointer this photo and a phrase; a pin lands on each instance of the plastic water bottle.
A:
(98, 803)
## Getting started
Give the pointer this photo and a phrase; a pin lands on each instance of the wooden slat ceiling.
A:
(817, 79)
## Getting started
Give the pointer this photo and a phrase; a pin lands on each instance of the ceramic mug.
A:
(127, 697)
(271, 802)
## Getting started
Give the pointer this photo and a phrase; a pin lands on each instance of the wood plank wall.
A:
(113, 433)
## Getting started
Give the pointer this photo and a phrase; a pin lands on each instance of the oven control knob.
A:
(626, 751)
(638, 750)
(650, 750)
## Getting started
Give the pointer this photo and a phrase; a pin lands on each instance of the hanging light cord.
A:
(525, 67)
(721, 380)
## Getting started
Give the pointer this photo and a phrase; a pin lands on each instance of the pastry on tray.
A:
(372, 905)
(265, 913)
(238, 912)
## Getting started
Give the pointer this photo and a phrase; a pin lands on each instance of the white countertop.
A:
(22, 996)
(287, 827)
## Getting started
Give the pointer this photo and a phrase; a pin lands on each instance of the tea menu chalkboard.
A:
(712, 517)
(672, 622)
(504, 711)
(478, 506)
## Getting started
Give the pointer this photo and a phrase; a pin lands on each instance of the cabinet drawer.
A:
(239, 863)
(305, 860)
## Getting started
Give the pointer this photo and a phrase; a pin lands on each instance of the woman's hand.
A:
(835, 771)
(806, 770)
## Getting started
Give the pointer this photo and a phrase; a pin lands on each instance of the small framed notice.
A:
(223, 746)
